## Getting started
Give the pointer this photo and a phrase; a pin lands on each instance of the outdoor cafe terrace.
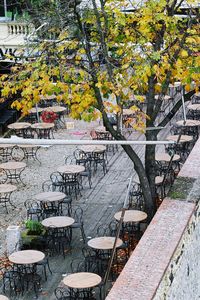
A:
(99, 199)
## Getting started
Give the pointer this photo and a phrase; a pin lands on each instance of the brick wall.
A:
(166, 262)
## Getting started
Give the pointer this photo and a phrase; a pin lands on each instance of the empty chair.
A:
(77, 214)
(57, 182)
(33, 209)
(82, 159)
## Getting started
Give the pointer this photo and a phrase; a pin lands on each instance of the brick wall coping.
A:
(191, 167)
(144, 270)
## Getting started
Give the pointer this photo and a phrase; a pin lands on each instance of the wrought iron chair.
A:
(77, 214)
(82, 159)
(33, 209)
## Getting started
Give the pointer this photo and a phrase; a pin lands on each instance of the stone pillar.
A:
(12, 239)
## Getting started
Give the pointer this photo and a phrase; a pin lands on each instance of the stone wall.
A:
(166, 262)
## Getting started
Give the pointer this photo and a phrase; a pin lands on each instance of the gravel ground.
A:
(35, 174)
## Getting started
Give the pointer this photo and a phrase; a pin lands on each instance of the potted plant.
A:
(32, 236)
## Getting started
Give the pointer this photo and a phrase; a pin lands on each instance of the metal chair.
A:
(82, 159)
(33, 209)
(77, 214)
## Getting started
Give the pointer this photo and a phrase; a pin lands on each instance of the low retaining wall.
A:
(166, 262)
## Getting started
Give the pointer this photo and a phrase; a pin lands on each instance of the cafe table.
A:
(104, 243)
(58, 222)
(58, 232)
(29, 151)
(132, 215)
(2, 297)
(50, 196)
(26, 257)
(13, 171)
(56, 109)
(164, 157)
(5, 193)
(71, 178)
(43, 130)
(188, 122)
(71, 169)
(35, 110)
(82, 280)
(183, 139)
(92, 148)
(19, 128)
(51, 202)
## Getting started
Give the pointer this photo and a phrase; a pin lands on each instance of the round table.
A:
(50, 196)
(26, 257)
(42, 125)
(166, 157)
(2, 297)
(19, 125)
(92, 148)
(35, 110)
(184, 138)
(5, 193)
(13, 170)
(82, 280)
(131, 216)
(128, 112)
(47, 97)
(194, 106)
(58, 222)
(100, 129)
(71, 169)
(188, 123)
(56, 109)
(104, 243)
(43, 129)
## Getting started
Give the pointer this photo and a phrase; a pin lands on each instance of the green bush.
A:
(34, 227)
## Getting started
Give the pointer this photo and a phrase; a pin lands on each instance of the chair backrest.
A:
(77, 214)
(62, 293)
(47, 186)
(80, 156)
(103, 230)
(70, 160)
(31, 204)
(77, 265)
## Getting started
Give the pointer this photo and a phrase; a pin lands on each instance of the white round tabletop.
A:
(82, 280)
(92, 148)
(194, 106)
(50, 196)
(25, 257)
(166, 157)
(128, 112)
(100, 129)
(34, 110)
(6, 146)
(184, 138)
(7, 188)
(166, 97)
(188, 123)
(71, 169)
(104, 243)
(131, 216)
(58, 222)
(2, 297)
(47, 97)
(55, 109)
(19, 125)
(13, 165)
(42, 125)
